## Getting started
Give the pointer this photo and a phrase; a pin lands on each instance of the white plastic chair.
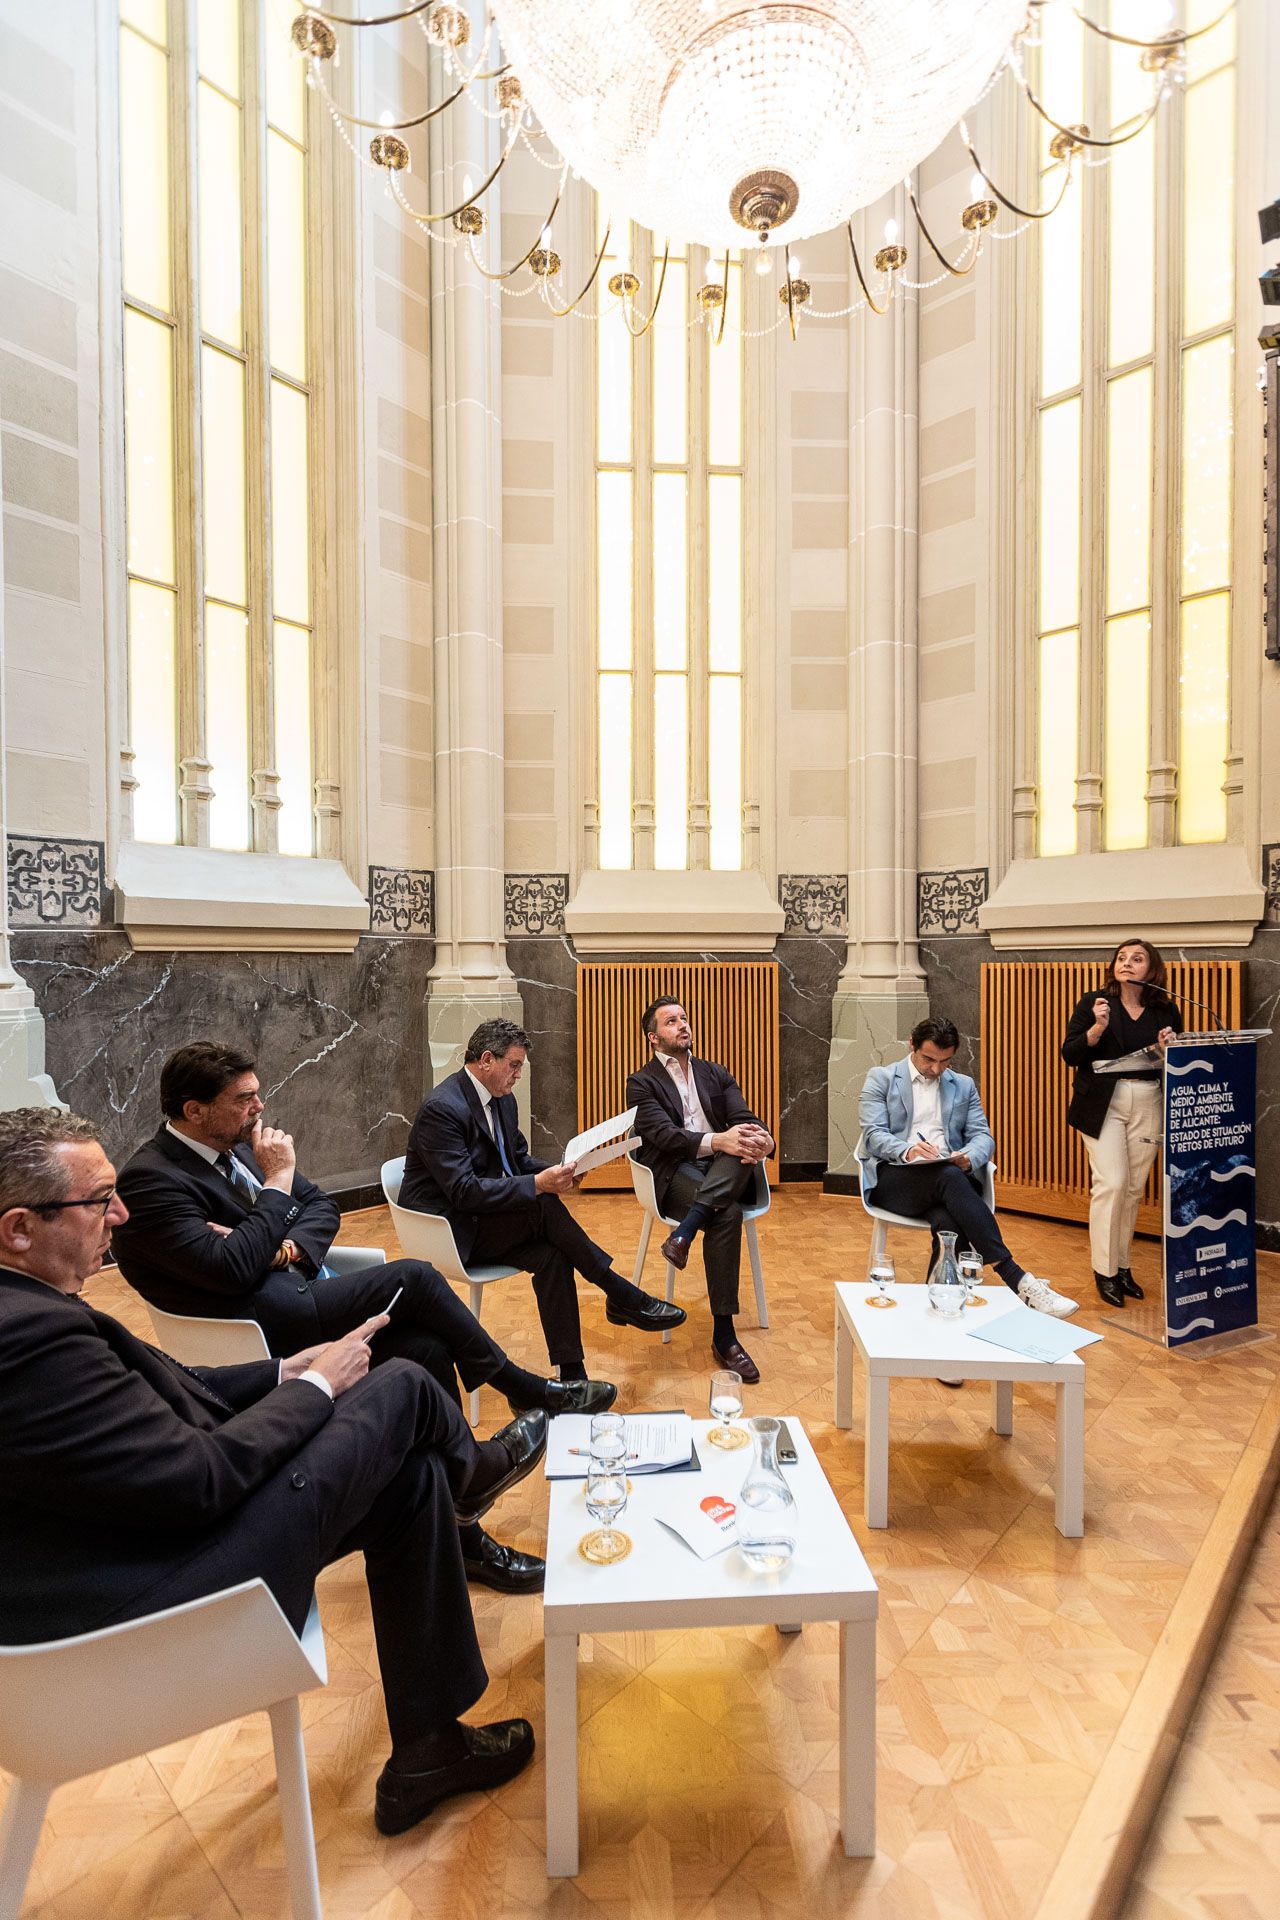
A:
(212, 1342)
(882, 1219)
(71, 1707)
(642, 1181)
(428, 1236)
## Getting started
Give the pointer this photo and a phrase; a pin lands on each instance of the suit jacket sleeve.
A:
(443, 1144)
(879, 1142)
(118, 1451)
(317, 1223)
(736, 1109)
(979, 1141)
(654, 1124)
(241, 1385)
(1076, 1050)
(525, 1161)
(169, 1224)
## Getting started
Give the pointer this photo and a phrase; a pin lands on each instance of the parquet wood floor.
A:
(1007, 1655)
(1214, 1852)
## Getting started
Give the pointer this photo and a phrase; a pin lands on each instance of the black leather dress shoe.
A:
(494, 1753)
(676, 1251)
(736, 1357)
(1109, 1286)
(571, 1396)
(524, 1442)
(1128, 1285)
(505, 1569)
(654, 1316)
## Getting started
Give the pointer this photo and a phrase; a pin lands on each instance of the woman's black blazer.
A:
(1091, 1095)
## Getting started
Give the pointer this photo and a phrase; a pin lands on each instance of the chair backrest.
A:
(208, 1343)
(353, 1259)
(392, 1177)
(423, 1236)
(70, 1707)
(642, 1181)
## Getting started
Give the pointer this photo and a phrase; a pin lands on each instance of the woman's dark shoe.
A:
(1110, 1287)
(1128, 1285)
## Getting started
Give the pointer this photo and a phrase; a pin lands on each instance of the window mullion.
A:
(264, 775)
(1166, 514)
(642, 700)
(194, 789)
(699, 579)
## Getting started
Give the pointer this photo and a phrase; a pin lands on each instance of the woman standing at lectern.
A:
(1119, 1115)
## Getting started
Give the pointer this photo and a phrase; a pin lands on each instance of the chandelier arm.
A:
(374, 20)
(424, 219)
(959, 272)
(862, 278)
(399, 126)
(560, 312)
(1023, 213)
(718, 336)
(508, 273)
(1127, 40)
(640, 332)
(1085, 139)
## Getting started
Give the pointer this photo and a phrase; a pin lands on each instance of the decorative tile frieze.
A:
(402, 900)
(535, 904)
(1271, 884)
(54, 883)
(948, 902)
(814, 903)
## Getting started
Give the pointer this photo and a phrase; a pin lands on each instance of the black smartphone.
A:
(786, 1445)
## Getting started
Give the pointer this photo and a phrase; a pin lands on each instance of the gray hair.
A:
(31, 1169)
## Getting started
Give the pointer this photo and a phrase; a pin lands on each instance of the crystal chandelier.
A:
(698, 118)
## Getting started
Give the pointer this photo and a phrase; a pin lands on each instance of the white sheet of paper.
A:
(600, 1156)
(708, 1527)
(583, 1143)
(656, 1440)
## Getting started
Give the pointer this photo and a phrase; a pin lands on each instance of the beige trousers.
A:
(1121, 1158)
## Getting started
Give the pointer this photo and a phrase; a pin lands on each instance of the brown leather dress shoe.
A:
(736, 1357)
(676, 1251)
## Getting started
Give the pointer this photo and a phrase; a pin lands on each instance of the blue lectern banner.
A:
(1210, 1273)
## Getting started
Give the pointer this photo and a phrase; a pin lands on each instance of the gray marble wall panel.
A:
(338, 1037)
(546, 975)
(953, 970)
(808, 970)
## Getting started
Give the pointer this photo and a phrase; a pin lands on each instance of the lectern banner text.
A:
(1210, 1272)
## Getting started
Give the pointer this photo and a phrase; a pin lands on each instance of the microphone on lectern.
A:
(1202, 1008)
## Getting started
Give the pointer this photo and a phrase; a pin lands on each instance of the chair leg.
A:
(757, 1274)
(295, 1810)
(20, 1825)
(671, 1294)
(477, 1298)
(642, 1250)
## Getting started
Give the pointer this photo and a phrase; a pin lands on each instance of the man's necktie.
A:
(499, 1143)
(238, 1176)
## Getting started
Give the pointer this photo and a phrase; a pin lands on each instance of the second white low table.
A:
(663, 1584)
(910, 1341)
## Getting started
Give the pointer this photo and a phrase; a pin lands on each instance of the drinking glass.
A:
(726, 1405)
(608, 1438)
(606, 1502)
(970, 1265)
(883, 1274)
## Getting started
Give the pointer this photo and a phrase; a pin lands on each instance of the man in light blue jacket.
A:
(925, 1143)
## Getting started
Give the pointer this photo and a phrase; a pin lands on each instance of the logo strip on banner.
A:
(1210, 1266)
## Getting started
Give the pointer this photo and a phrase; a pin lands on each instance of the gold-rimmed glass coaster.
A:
(604, 1546)
(882, 1275)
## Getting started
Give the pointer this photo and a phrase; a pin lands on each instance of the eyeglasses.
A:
(100, 1200)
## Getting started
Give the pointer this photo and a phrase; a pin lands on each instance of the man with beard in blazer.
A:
(703, 1144)
(222, 1223)
(129, 1484)
(468, 1160)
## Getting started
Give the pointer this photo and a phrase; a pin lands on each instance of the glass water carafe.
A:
(946, 1288)
(766, 1504)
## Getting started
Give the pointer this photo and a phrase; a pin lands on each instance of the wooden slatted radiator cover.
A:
(1026, 1086)
(732, 1006)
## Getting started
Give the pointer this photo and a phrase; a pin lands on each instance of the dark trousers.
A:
(719, 1182)
(381, 1476)
(430, 1324)
(547, 1241)
(950, 1200)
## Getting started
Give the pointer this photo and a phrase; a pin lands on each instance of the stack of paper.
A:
(607, 1140)
(1033, 1336)
(656, 1443)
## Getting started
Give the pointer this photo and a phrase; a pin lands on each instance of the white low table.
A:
(662, 1583)
(910, 1341)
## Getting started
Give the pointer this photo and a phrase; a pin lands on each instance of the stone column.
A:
(470, 980)
(881, 993)
(23, 1080)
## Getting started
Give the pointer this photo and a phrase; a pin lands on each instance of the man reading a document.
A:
(468, 1160)
(925, 1142)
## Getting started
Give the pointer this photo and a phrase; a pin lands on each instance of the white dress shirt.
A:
(926, 1112)
(695, 1118)
(212, 1155)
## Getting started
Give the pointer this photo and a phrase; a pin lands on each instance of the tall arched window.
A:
(1133, 426)
(218, 427)
(670, 479)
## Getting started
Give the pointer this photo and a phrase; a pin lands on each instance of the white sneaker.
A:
(1040, 1295)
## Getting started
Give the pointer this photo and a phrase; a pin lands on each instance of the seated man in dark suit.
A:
(222, 1223)
(468, 1160)
(703, 1144)
(129, 1484)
